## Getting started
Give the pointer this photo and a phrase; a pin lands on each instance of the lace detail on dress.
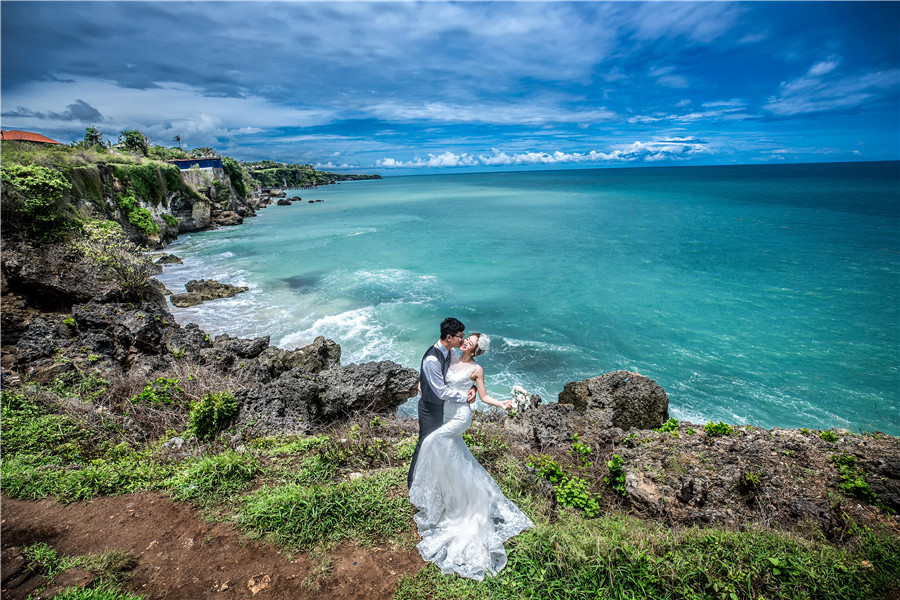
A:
(463, 516)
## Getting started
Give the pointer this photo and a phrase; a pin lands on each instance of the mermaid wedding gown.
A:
(463, 516)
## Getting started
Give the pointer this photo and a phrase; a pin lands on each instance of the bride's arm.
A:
(478, 375)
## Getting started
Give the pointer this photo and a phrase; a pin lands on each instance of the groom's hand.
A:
(470, 398)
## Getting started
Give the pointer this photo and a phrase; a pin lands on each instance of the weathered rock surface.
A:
(283, 202)
(201, 290)
(298, 401)
(620, 399)
(169, 259)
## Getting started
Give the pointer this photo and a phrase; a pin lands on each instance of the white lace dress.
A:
(463, 516)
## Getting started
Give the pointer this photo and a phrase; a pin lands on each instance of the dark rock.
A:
(544, 425)
(228, 218)
(51, 275)
(242, 347)
(318, 356)
(619, 399)
(286, 405)
(210, 289)
(283, 202)
(169, 259)
(369, 387)
(185, 300)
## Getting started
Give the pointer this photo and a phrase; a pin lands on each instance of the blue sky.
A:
(416, 87)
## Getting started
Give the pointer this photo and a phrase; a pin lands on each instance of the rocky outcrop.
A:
(169, 259)
(620, 399)
(318, 356)
(298, 401)
(201, 290)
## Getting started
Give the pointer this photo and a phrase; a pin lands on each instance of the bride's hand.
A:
(506, 404)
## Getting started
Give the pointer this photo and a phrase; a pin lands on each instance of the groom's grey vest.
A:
(428, 394)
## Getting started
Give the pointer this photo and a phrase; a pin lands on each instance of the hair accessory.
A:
(484, 344)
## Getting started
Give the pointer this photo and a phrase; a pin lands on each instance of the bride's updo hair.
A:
(484, 344)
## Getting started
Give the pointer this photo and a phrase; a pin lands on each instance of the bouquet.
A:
(520, 398)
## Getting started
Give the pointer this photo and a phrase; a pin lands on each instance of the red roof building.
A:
(25, 136)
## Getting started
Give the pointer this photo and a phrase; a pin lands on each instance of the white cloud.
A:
(523, 113)
(821, 90)
(672, 148)
(162, 111)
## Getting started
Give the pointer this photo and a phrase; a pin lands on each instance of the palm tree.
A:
(177, 140)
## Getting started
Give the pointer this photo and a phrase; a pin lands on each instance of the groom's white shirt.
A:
(431, 366)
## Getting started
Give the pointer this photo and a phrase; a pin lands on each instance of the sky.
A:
(441, 87)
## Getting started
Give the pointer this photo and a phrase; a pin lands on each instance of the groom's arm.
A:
(435, 378)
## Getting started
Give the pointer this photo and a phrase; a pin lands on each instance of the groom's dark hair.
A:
(451, 326)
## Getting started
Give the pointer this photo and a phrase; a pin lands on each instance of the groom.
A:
(434, 390)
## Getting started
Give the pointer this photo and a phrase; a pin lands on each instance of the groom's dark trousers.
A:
(431, 407)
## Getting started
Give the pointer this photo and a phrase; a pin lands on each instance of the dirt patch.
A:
(181, 556)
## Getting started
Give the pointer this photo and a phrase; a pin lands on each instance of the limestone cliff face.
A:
(155, 202)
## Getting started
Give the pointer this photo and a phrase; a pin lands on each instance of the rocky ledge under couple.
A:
(463, 517)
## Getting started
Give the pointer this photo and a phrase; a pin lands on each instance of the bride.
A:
(463, 516)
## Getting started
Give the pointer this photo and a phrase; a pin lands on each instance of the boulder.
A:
(185, 300)
(169, 259)
(201, 290)
(368, 387)
(284, 406)
(228, 218)
(243, 348)
(318, 356)
(283, 202)
(620, 399)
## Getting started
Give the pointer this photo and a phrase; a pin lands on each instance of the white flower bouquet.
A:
(520, 398)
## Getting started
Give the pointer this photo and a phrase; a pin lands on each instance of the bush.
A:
(32, 196)
(209, 413)
(138, 216)
(616, 479)
(718, 429)
(163, 390)
(118, 258)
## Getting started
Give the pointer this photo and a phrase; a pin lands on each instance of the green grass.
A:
(302, 517)
(294, 491)
(214, 477)
(109, 568)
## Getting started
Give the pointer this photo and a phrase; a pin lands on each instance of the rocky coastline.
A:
(83, 325)
(64, 325)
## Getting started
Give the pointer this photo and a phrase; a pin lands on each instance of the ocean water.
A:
(767, 295)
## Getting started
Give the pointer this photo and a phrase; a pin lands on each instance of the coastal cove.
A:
(765, 295)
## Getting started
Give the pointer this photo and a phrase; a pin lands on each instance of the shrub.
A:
(209, 413)
(163, 390)
(118, 258)
(138, 216)
(718, 429)
(33, 197)
(828, 436)
(170, 220)
(616, 479)
(575, 492)
(853, 480)
(670, 425)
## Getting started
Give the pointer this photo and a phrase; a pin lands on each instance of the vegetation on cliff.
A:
(279, 175)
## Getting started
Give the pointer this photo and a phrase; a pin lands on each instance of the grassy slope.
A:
(297, 493)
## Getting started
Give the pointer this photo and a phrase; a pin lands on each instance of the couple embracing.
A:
(463, 516)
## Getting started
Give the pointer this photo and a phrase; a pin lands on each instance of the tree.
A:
(92, 137)
(135, 141)
(177, 140)
(203, 151)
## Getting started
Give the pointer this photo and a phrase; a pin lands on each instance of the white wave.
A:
(371, 230)
(514, 343)
(353, 324)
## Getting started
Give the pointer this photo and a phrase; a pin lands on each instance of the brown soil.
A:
(181, 556)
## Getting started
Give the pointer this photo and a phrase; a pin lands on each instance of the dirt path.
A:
(180, 556)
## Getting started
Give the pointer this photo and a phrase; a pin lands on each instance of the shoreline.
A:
(836, 424)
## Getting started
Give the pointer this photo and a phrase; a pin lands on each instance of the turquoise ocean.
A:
(765, 295)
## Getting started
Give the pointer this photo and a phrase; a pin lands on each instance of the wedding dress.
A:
(463, 516)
